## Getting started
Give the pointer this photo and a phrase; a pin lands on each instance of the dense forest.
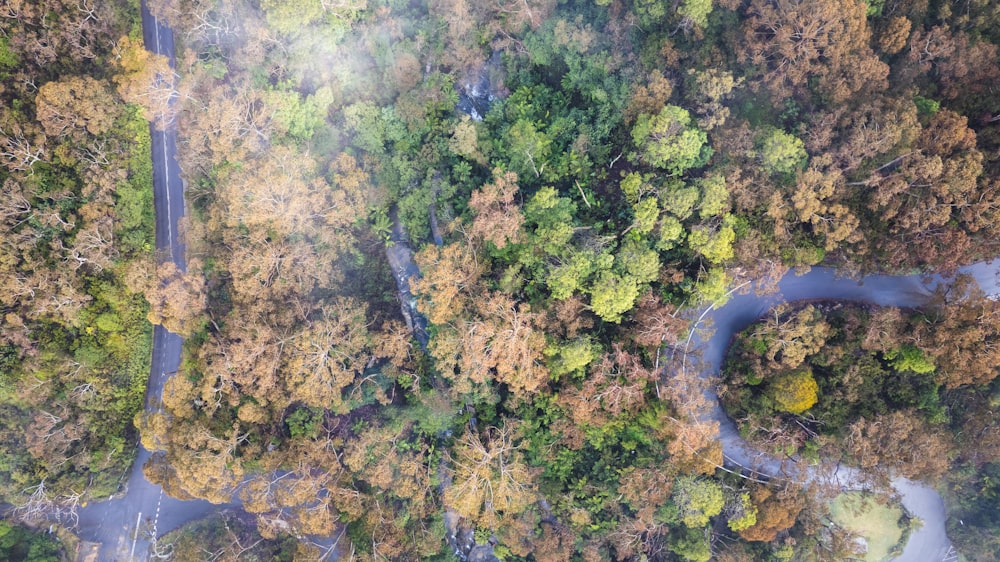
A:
(894, 391)
(579, 179)
(75, 250)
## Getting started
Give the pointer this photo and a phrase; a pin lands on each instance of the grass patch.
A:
(879, 525)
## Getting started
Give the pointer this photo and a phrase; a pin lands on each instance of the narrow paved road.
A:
(123, 526)
(930, 542)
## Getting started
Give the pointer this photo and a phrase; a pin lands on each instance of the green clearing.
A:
(878, 524)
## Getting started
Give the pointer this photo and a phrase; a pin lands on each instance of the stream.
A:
(128, 522)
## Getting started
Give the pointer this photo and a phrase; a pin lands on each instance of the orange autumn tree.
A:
(490, 481)
(498, 218)
(819, 45)
(776, 512)
(177, 299)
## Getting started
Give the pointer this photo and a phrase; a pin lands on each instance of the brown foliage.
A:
(962, 68)
(330, 355)
(793, 336)
(892, 38)
(964, 338)
(934, 188)
(498, 217)
(800, 40)
(555, 544)
(776, 512)
(979, 439)
(490, 481)
(496, 342)
(75, 106)
(566, 318)
(221, 121)
(899, 441)
(656, 323)
(848, 137)
(641, 487)
(177, 299)
(450, 273)
(377, 457)
(83, 30)
(618, 383)
(813, 202)
(147, 80)
(649, 98)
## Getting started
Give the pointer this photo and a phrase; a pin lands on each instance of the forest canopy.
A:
(577, 181)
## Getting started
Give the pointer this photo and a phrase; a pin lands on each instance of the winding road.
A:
(123, 526)
(930, 542)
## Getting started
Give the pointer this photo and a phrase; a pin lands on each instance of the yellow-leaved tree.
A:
(795, 392)
(490, 480)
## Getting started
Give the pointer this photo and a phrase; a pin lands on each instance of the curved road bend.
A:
(123, 525)
(930, 542)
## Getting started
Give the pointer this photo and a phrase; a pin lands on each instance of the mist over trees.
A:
(626, 162)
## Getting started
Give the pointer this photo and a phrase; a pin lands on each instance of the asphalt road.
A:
(124, 525)
(930, 542)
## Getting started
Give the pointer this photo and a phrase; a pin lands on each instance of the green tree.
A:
(635, 186)
(671, 233)
(553, 218)
(20, 543)
(374, 128)
(679, 198)
(529, 149)
(780, 152)
(715, 245)
(668, 140)
(713, 287)
(299, 117)
(635, 259)
(692, 545)
(742, 513)
(8, 58)
(571, 357)
(646, 212)
(613, 295)
(909, 358)
(714, 196)
(570, 275)
(698, 500)
(293, 16)
(695, 11)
